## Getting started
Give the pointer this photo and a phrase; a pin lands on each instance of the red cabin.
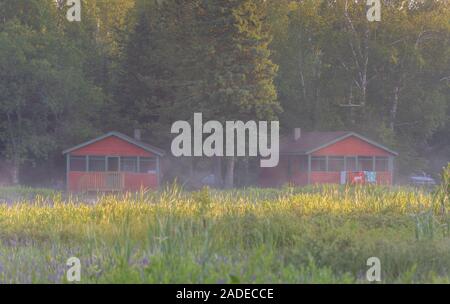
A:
(113, 162)
(330, 157)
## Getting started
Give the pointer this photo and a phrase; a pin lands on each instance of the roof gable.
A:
(311, 142)
(123, 137)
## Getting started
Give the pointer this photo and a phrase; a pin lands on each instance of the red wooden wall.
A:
(133, 181)
(383, 178)
(351, 146)
(111, 146)
(114, 146)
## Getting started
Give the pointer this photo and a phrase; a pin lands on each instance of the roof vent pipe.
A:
(137, 134)
(297, 133)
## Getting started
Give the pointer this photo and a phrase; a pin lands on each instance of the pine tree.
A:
(240, 72)
(159, 81)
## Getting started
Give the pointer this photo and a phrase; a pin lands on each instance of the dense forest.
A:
(314, 64)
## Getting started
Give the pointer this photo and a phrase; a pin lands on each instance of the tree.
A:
(44, 97)
(410, 65)
(240, 71)
(385, 79)
(159, 78)
(305, 81)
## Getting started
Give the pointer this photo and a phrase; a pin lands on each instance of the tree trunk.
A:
(316, 112)
(218, 178)
(15, 172)
(190, 180)
(247, 172)
(229, 174)
(393, 113)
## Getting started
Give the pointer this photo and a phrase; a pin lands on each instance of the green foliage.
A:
(180, 58)
(317, 235)
(154, 84)
(393, 72)
(145, 64)
(240, 72)
(38, 108)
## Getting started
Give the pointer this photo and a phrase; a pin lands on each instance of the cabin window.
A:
(147, 165)
(336, 163)
(129, 164)
(381, 164)
(365, 163)
(318, 163)
(97, 163)
(78, 163)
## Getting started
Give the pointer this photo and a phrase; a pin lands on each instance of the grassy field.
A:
(291, 235)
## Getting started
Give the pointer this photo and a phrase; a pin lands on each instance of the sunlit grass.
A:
(291, 235)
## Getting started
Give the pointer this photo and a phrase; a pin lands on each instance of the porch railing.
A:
(102, 181)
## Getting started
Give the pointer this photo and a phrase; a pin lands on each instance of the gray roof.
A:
(124, 137)
(310, 142)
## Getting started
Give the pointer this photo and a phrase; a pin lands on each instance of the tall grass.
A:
(291, 235)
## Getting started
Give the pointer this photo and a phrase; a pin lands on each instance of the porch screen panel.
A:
(129, 164)
(147, 165)
(97, 163)
(336, 163)
(350, 163)
(78, 163)
(381, 164)
(318, 164)
(365, 163)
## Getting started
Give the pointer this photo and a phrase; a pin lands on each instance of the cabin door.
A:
(114, 180)
(351, 164)
(113, 164)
